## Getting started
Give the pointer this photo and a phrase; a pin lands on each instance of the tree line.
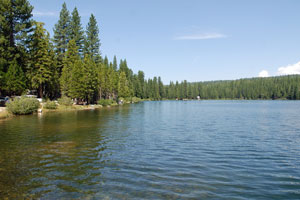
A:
(280, 87)
(70, 64)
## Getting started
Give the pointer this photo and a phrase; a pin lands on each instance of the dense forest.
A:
(71, 64)
(68, 64)
(281, 87)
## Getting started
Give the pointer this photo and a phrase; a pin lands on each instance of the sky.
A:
(193, 40)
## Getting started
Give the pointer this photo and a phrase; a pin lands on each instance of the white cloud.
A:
(44, 14)
(290, 69)
(203, 36)
(263, 73)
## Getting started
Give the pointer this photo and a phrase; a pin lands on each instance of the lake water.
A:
(155, 150)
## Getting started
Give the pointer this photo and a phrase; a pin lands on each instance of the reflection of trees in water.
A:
(16, 157)
(60, 153)
(16, 174)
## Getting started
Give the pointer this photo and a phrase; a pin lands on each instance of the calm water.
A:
(155, 150)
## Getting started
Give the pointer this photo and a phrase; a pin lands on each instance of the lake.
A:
(155, 150)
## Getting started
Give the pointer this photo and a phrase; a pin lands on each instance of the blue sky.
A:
(195, 40)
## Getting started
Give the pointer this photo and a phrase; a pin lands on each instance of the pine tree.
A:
(76, 30)
(105, 61)
(62, 32)
(41, 68)
(15, 29)
(69, 61)
(90, 82)
(155, 89)
(2, 75)
(6, 50)
(115, 81)
(15, 79)
(110, 79)
(177, 90)
(123, 89)
(150, 89)
(140, 84)
(184, 89)
(101, 78)
(124, 68)
(145, 90)
(83, 80)
(115, 63)
(92, 41)
(76, 78)
(15, 26)
(161, 88)
(52, 88)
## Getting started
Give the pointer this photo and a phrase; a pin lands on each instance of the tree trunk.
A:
(40, 91)
(100, 93)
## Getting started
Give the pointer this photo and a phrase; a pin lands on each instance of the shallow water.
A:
(155, 150)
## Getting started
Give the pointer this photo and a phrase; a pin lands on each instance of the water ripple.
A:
(155, 150)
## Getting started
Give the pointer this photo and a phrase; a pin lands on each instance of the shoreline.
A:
(5, 115)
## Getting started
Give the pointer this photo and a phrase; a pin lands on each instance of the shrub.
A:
(105, 102)
(50, 105)
(23, 106)
(135, 99)
(65, 101)
(127, 100)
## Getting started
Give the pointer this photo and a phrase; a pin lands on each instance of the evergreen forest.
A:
(71, 64)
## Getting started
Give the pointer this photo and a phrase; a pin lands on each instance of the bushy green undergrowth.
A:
(106, 102)
(130, 99)
(23, 106)
(136, 100)
(65, 101)
(51, 105)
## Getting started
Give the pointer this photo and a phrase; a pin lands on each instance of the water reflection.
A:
(56, 154)
(155, 150)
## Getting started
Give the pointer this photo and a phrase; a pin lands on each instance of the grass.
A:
(77, 107)
(4, 114)
(51, 105)
(105, 102)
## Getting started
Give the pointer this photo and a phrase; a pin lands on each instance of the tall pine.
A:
(15, 29)
(15, 79)
(42, 66)
(75, 82)
(92, 41)
(16, 23)
(123, 89)
(76, 31)
(90, 82)
(140, 84)
(62, 32)
(71, 59)
(83, 80)
(115, 63)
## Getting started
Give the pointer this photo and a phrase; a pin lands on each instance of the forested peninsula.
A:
(70, 64)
